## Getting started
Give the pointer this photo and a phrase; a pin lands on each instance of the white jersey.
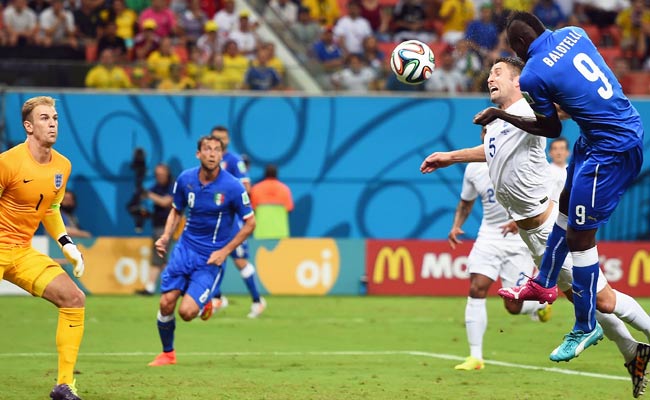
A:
(518, 166)
(559, 177)
(476, 182)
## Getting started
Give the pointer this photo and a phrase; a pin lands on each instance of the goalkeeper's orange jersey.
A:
(28, 190)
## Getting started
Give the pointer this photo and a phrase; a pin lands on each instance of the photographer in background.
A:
(135, 207)
(160, 195)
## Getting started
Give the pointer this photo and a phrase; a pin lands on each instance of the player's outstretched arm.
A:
(173, 219)
(540, 125)
(462, 212)
(439, 160)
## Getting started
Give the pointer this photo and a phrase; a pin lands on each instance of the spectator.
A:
(57, 26)
(192, 21)
(355, 77)
(275, 61)
(196, 64)
(107, 75)
(227, 19)
(214, 77)
(70, 220)
(328, 52)
(272, 201)
(482, 33)
(455, 15)
(110, 40)
(371, 10)
(38, 6)
(209, 44)
(634, 23)
(499, 15)
(374, 57)
(260, 76)
(177, 80)
(306, 30)
(409, 17)
(87, 20)
(160, 195)
(603, 13)
(351, 29)
(245, 35)
(160, 60)
(146, 41)
(235, 65)
(325, 12)
(164, 17)
(445, 78)
(550, 13)
(20, 23)
(138, 5)
(126, 20)
(467, 61)
(281, 13)
(140, 78)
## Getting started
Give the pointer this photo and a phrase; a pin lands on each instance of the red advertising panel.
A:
(626, 266)
(432, 268)
(417, 267)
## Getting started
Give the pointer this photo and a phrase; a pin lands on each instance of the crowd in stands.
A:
(210, 44)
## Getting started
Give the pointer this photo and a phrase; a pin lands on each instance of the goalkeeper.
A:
(33, 177)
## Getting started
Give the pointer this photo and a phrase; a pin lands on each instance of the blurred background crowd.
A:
(341, 44)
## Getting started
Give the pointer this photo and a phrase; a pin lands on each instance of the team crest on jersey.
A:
(223, 164)
(219, 199)
(58, 181)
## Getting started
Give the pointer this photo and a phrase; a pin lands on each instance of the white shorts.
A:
(536, 241)
(494, 259)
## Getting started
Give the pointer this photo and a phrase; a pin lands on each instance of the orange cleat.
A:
(168, 358)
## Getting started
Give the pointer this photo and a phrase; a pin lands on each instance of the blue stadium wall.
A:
(351, 162)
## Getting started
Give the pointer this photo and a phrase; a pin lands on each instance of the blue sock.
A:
(248, 275)
(554, 256)
(585, 277)
(166, 327)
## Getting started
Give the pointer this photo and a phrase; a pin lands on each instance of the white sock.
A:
(150, 287)
(165, 318)
(630, 311)
(475, 324)
(617, 332)
(247, 271)
(530, 307)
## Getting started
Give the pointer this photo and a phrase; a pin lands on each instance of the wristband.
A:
(65, 239)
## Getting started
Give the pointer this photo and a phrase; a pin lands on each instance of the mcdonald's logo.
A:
(393, 260)
(640, 260)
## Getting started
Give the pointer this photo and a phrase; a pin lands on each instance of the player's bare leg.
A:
(166, 328)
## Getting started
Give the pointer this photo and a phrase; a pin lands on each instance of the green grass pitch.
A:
(305, 348)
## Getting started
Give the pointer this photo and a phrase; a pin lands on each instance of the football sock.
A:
(166, 327)
(555, 254)
(150, 287)
(585, 278)
(475, 324)
(617, 332)
(248, 275)
(530, 307)
(69, 332)
(630, 311)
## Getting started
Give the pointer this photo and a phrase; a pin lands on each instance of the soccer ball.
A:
(412, 62)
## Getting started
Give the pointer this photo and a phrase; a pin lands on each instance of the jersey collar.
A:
(538, 42)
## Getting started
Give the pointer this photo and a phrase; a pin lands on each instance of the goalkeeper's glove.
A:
(72, 253)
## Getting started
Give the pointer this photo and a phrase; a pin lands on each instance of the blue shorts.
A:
(188, 272)
(241, 251)
(596, 180)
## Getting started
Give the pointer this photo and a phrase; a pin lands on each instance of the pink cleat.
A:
(531, 290)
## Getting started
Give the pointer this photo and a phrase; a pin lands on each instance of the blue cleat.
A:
(575, 343)
(64, 391)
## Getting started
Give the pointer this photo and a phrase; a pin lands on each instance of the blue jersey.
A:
(564, 67)
(235, 165)
(212, 209)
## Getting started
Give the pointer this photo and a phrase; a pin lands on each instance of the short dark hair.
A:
(271, 171)
(560, 140)
(219, 128)
(528, 19)
(206, 138)
(514, 62)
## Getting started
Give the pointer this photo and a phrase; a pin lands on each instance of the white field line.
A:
(332, 353)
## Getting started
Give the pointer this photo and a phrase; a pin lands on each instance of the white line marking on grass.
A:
(332, 353)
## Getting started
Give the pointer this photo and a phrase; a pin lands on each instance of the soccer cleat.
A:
(257, 308)
(531, 290)
(207, 310)
(168, 358)
(545, 313)
(219, 303)
(637, 367)
(470, 364)
(64, 391)
(575, 343)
